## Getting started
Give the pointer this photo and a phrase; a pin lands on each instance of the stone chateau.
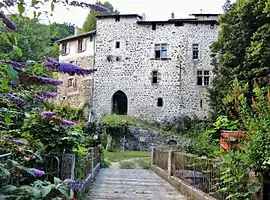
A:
(152, 70)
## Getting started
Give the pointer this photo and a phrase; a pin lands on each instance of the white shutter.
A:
(84, 44)
(68, 47)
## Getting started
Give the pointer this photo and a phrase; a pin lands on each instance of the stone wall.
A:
(80, 92)
(129, 68)
(138, 138)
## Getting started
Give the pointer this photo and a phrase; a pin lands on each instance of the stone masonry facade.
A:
(76, 90)
(126, 61)
(163, 68)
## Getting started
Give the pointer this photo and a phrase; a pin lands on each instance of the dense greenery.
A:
(90, 21)
(242, 51)
(36, 40)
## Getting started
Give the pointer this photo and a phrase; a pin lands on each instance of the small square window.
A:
(91, 38)
(160, 102)
(203, 78)
(212, 26)
(154, 26)
(195, 51)
(117, 45)
(161, 51)
(155, 77)
(117, 18)
(70, 82)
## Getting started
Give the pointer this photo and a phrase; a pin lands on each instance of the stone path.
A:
(132, 184)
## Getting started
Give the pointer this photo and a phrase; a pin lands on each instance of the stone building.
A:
(152, 70)
(79, 50)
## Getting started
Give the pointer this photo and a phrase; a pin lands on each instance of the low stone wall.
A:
(142, 139)
(191, 192)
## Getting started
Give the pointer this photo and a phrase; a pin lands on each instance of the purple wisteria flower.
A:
(19, 142)
(68, 123)
(67, 68)
(49, 81)
(41, 98)
(28, 79)
(37, 172)
(47, 114)
(14, 99)
(7, 22)
(12, 83)
(49, 95)
(99, 8)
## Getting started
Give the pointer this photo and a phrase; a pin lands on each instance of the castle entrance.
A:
(119, 103)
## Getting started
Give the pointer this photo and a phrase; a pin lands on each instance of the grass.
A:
(144, 163)
(124, 155)
(127, 165)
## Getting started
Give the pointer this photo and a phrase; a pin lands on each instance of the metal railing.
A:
(198, 172)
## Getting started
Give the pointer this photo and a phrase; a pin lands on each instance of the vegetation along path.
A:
(118, 184)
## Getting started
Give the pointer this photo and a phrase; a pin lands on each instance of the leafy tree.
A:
(242, 50)
(90, 22)
(36, 40)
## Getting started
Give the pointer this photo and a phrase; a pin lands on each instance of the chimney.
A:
(76, 31)
(143, 17)
(172, 15)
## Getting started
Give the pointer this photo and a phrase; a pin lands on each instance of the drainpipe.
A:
(91, 114)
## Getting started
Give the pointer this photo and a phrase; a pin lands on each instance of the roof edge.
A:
(120, 15)
(74, 37)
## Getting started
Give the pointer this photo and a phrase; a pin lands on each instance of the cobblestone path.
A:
(131, 184)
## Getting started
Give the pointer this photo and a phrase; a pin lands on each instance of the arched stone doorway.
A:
(119, 103)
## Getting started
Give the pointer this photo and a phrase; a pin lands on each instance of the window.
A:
(91, 38)
(117, 45)
(64, 49)
(70, 82)
(201, 105)
(195, 49)
(203, 78)
(154, 26)
(117, 18)
(160, 102)
(212, 26)
(118, 59)
(80, 45)
(161, 51)
(155, 77)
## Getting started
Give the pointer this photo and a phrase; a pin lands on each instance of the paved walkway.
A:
(131, 184)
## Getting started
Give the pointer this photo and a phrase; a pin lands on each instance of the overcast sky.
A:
(154, 9)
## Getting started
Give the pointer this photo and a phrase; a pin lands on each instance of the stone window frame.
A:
(159, 51)
(160, 102)
(195, 51)
(203, 78)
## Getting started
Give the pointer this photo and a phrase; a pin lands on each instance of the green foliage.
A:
(241, 51)
(35, 40)
(235, 177)
(37, 190)
(90, 21)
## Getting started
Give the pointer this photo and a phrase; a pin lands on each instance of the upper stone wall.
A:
(129, 68)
